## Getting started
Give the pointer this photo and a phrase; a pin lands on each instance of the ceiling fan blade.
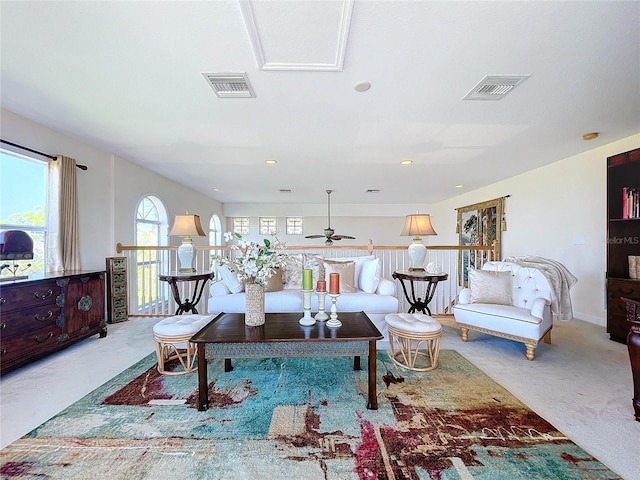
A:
(314, 236)
(340, 237)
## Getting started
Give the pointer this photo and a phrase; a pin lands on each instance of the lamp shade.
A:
(418, 224)
(187, 226)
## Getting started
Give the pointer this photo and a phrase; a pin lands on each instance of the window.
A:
(294, 225)
(241, 225)
(215, 231)
(151, 231)
(268, 226)
(23, 194)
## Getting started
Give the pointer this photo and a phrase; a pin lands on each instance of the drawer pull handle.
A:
(3, 351)
(40, 319)
(3, 326)
(45, 339)
(42, 296)
(2, 300)
(625, 292)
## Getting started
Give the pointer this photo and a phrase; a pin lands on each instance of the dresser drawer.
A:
(623, 288)
(44, 338)
(20, 296)
(17, 323)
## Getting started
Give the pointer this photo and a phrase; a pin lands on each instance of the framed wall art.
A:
(478, 224)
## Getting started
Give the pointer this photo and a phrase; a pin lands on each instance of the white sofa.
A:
(379, 299)
(513, 302)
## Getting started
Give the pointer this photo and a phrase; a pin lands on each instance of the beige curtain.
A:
(62, 217)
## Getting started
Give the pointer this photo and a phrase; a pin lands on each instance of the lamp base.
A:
(185, 256)
(417, 254)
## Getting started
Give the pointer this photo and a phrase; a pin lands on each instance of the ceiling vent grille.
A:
(495, 87)
(230, 85)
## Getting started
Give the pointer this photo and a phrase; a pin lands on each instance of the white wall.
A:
(108, 191)
(558, 212)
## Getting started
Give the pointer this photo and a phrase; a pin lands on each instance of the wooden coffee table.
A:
(227, 337)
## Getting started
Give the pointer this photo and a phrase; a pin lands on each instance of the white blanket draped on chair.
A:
(560, 279)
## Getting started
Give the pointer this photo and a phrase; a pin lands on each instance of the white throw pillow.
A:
(370, 275)
(346, 271)
(230, 279)
(490, 287)
(386, 287)
(316, 263)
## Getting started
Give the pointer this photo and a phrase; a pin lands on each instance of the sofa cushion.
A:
(359, 261)
(292, 271)
(314, 262)
(490, 287)
(346, 270)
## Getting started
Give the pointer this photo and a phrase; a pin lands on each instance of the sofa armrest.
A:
(386, 287)
(537, 307)
(464, 296)
(218, 288)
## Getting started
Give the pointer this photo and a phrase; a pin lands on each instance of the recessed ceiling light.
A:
(270, 161)
(406, 162)
(459, 186)
(590, 135)
(215, 189)
(362, 86)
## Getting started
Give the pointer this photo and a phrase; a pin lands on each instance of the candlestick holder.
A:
(333, 318)
(321, 316)
(307, 320)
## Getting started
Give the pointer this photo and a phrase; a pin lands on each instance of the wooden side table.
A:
(633, 344)
(417, 304)
(200, 279)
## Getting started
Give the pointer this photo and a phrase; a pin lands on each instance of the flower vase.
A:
(254, 305)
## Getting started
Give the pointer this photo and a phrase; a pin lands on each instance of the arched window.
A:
(151, 222)
(152, 228)
(215, 231)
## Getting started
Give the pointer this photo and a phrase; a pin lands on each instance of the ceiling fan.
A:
(329, 232)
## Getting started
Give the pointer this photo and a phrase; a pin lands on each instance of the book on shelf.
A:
(630, 202)
(634, 267)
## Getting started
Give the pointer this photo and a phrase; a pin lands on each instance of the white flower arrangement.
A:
(252, 262)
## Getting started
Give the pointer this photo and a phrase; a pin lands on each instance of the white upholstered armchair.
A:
(509, 301)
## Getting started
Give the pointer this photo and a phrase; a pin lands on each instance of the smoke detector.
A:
(495, 87)
(230, 85)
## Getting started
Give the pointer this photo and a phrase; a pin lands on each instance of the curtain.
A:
(62, 216)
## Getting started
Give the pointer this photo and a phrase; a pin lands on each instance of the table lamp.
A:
(186, 226)
(416, 225)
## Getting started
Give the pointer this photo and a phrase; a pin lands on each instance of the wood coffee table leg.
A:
(372, 401)
(203, 384)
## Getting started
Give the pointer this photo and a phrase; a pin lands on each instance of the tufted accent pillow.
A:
(346, 271)
(490, 287)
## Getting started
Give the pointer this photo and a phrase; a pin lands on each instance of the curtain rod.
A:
(52, 157)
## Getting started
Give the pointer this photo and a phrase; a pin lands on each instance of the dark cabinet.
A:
(42, 315)
(623, 238)
(117, 310)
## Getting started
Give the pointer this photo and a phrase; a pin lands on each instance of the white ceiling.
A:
(127, 77)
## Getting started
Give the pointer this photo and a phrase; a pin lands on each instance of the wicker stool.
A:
(172, 341)
(407, 333)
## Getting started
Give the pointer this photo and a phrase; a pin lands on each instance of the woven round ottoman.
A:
(172, 335)
(412, 336)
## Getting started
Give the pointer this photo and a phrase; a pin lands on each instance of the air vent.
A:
(230, 85)
(286, 190)
(495, 87)
(372, 190)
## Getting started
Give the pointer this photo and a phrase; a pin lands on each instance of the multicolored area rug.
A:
(300, 418)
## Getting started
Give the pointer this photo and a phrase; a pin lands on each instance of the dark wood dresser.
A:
(633, 343)
(46, 313)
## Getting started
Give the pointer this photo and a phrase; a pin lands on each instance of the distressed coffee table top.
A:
(284, 327)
